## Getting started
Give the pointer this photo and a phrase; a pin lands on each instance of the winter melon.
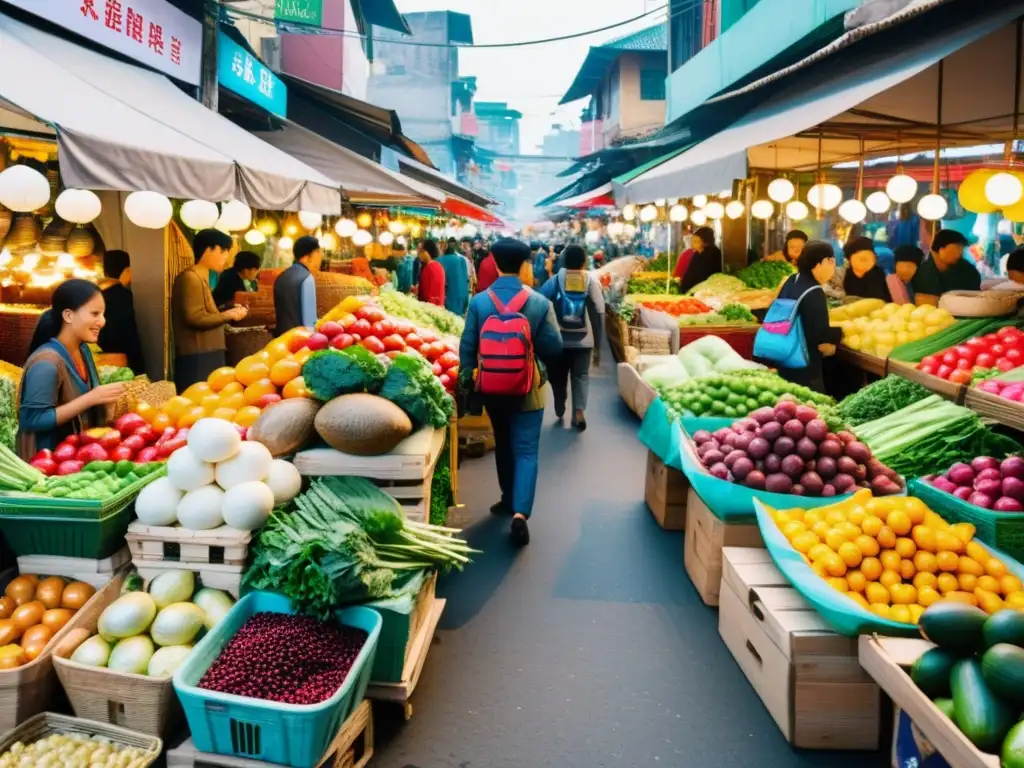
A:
(286, 426)
(361, 424)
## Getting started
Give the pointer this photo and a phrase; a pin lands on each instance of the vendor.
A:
(907, 260)
(120, 334)
(1014, 271)
(946, 270)
(864, 278)
(792, 247)
(706, 260)
(240, 277)
(60, 391)
(815, 267)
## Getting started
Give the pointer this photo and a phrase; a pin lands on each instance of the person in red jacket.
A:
(487, 274)
(431, 288)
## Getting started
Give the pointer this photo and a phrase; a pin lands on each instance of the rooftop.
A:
(601, 57)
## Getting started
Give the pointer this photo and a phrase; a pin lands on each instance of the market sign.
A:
(242, 73)
(300, 11)
(152, 32)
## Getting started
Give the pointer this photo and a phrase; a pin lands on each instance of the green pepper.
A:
(123, 467)
(58, 493)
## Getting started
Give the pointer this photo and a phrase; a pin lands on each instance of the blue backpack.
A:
(571, 306)
(780, 339)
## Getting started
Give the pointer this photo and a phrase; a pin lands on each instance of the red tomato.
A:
(437, 369)
(70, 467)
(166, 449)
(356, 338)
(342, 340)
(135, 443)
(330, 329)
(997, 350)
(966, 353)
(147, 433)
(391, 354)
(445, 380)
(428, 335)
(45, 465)
(1005, 365)
(167, 434)
(65, 452)
(382, 328)
(404, 327)
(960, 376)
(362, 327)
(122, 453)
(1009, 334)
(977, 343)
(317, 341)
(985, 360)
(448, 359)
(373, 344)
(370, 313)
(348, 321)
(393, 343)
(92, 452)
(147, 454)
(72, 440)
(944, 371)
(928, 360)
(929, 369)
(949, 358)
(45, 453)
(991, 338)
(1014, 354)
(963, 364)
(453, 373)
(413, 340)
(295, 343)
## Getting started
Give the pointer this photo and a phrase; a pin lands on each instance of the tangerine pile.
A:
(894, 556)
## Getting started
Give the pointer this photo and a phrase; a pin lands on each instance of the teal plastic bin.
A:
(288, 734)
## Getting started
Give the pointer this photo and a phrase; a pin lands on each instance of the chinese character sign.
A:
(152, 32)
(242, 73)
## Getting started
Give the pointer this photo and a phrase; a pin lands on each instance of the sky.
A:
(533, 78)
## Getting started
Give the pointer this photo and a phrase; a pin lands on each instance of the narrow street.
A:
(591, 648)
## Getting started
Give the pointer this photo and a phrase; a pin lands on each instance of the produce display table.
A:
(636, 393)
(706, 536)
(876, 366)
(947, 389)
(739, 337)
(999, 409)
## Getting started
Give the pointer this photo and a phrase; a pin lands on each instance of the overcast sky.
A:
(533, 78)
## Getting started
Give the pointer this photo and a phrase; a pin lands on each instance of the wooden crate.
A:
(351, 748)
(665, 491)
(706, 535)
(808, 677)
(399, 633)
(98, 573)
(947, 389)
(160, 543)
(985, 404)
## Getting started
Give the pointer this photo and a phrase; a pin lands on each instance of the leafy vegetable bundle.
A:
(881, 398)
(653, 286)
(413, 387)
(423, 314)
(330, 373)
(111, 374)
(8, 412)
(765, 274)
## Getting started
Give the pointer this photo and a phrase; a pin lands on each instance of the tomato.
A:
(348, 321)
(167, 434)
(977, 343)
(373, 344)
(944, 371)
(343, 341)
(413, 340)
(437, 369)
(1009, 334)
(991, 338)
(393, 343)
(404, 327)
(330, 329)
(985, 360)
(966, 353)
(65, 452)
(268, 399)
(448, 359)
(316, 342)
(111, 440)
(445, 380)
(1005, 365)
(929, 360)
(453, 373)
(147, 433)
(428, 335)
(122, 453)
(166, 449)
(147, 455)
(45, 453)
(362, 327)
(356, 338)
(135, 443)
(963, 364)
(391, 354)
(997, 350)
(1014, 354)
(960, 376)
(382, 328)
(949, 358)
(370, 313)
(72, 440)
(929, 369)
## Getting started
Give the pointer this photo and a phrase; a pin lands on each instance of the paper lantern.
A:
(762, 209)
(714, 210)
(781, 190)
(385, 238)
(364, 220)
(699, 218)
(255, 237)
(361, 238)
(234, 216)
(972, 192)
(734, 209)
(285, 243)
(932, 207)
(629, 230)
(853, 211)
(328, 242)
(1004, 189)
(797, 211)
(267, 225)
(346, 227)
(149, 210)
(396, 227)
(199, 214)
(824, 196)
(1014, 213)
(699, 201)
(79, 206)
(878, 202)
(725, 194)
(660, 202)
(400, 240)
(629, 212)
(310, 220)
(901, 188)
(678, 213)
(648, 213)
(415, 230)
(23, 189)
(615, 228)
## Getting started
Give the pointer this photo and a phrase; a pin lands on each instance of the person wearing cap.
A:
(945, 270)
(1014, 271)
(706, 260)
(907, 260)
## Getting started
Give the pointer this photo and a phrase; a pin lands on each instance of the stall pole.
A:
(208, 88)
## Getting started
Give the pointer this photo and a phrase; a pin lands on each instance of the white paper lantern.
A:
(361, 238)
(734, 209)
(699, 201)
(149, 210)
(346, 227)
(23, 189)
(615, 228)
(1004, 189)
(396, 227)
(725, 194)
(797, 210)
(629, 230)
(400, 240)
(781, 190)
(648, 213)
(901, 188)
(660, 202)
(678, 213)
(285, 243)
(699, 218)
(385, 238)
(878, 202)
(714, 210)
(328, 242)
(853, 211)
(255, 237)
(932, 207)
(824, 196)
(310, 220)
(234, 216)
(762, 209)
(199, 214)
(79, 206)
(629, 212)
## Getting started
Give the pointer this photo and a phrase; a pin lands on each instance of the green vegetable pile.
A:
(8, 412)
(98, 480)
(344, 541)
(739, 313)
(15, 474)
(112, 374)
(765, 274)
(881, 398)
(425, 315)
(441, 487)
(412, 386)
(736, 394)
(718, 286)
(653, 286)
(957, 333)
(658, 264)
(330, 373)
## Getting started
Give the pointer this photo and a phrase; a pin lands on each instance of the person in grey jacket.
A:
(579, 308)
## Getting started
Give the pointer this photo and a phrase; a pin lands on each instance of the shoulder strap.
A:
(796, 305)
(518, 301)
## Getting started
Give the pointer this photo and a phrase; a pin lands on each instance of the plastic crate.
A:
(239, 726)
(20, 504)
(47, 534)
(1002, 530)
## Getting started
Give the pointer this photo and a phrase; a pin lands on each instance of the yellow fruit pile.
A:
(875, 328)
(895, 557)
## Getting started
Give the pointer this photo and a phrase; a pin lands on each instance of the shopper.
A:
(240, 277)
(579, 309)
(487, 273)
(198, 325)
(120, 333)
(405, 270)
(1014, 271)
(515, 418)
(864, 278)
(540, 265)
(792, 247)
(432, 277)
(946, 270)
(60, 392)
(456, 280)
(295, 288)
(467, 254)
(907, 260)
(706, 261)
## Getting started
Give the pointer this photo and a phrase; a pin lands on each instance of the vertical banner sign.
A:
(152, 32)
(242, 73)
(301, 11)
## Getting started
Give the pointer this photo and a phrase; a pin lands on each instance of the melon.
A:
(286, 426)
(361, 424)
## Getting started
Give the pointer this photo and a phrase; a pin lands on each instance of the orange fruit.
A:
(285, 370)
(234, 401)
(899, 521)
(295, 388)
(968, 582)
(988, 583)
(890, 559)
(886, 537)
(876, 594)
(302, 355)
(161, 422)
(968, 565)
(947, 583)
(855, 580)
(927, 595)
(197, 392)
(995, 569)
(850, 554)
(905, 547)
(924, 579)
(146, 411)
(258, 389)
(298, 332)
(210, 403)
(251, 369)
(228, 414)
(1009, 584)
(925, 562)
(907, 570)
(191, 416)
(232, 388)
(872, 525)
(220, 378)
(858, 598)
(889, 578)
(868, 546)
(176, 406)
(948, 561)
(924, 538)
(871, 568)
(247, 415)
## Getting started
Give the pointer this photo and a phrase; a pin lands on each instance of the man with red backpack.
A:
(510, 336)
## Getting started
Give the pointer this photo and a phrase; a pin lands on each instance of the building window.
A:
(652, 84)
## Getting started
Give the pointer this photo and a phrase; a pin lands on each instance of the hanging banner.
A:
(301, 11)
(242, 73)
(152, 32)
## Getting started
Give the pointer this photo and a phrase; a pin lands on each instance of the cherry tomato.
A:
(342, 340)
(1005, 365)
(437, 369)
(72, 440)
(393, 343)
(960, 376)
(985, 360)
(413, 340)
(362, 327)
(370, 313)
(147, 455)
(448, 359)
(1009, 334)
(445, 380)
(428, 335)
(991, 338)
(929, 369)
(404, 327)
(997, 350)
(944, 371)
(382, 328)
(977, 343)
(121, 453)
(373, 344)
(966, 353)
(163, 450)
(950, 358)
(963, 364)
(135, 443)
(1015, 355)
(453, 373)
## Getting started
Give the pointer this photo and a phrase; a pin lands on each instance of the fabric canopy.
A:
(467, 210)
(586, 199)
(121, 127)
(428, 175)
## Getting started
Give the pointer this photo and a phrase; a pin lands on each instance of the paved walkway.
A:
(590, 648)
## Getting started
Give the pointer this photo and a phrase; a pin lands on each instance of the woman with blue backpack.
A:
(796, 335)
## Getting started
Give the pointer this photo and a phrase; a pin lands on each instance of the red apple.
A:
(317, 342)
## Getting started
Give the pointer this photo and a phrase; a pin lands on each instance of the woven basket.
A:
(329, 295)
(5, 222)
(242, 342)
(132, 394)
(632, 355)
(24, 234)
(651, 341)
(260, 304)
(81, 242)
(48, 723)
(157, 393)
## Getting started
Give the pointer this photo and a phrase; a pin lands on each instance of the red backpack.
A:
(505, 357)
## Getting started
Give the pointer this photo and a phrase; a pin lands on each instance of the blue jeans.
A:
(516, 448)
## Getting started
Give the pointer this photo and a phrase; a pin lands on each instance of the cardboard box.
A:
(808, 677)
(706, 535)
(665, 492)
(627, 378)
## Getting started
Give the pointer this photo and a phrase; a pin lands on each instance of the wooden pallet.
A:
(351, 748)
(94, 572)
(412, 459)
(157, 543)
(413, 496)
(401, 692)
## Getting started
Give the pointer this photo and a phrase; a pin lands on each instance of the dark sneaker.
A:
(581, 425)
(502, 509)
(519, 532)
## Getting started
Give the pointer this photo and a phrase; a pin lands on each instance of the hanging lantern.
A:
(23, 189)
(824, 196)
(310, 220)
(677, 213)
(901, 188)
(255, 237)
(198, 214)
(285, 243)
(361, 238)
(328, 242)
(699, 218)
(396, 227)
(1004, 189)
(364, 220)
(853, 211)
(149, 210)
(629, 230)
(400, 240)
(385, 238)
(725, 194)
(797, 210)
(781, 190)
(932, 207)
(629, 212)
(79, 206)
(762, 209)
(615, 228)
(878, 202)
(660, 202)
(267, 225)
(648, 214)
(234, 216)
(346, 227)
(699, 201)
(714, 210)
(734, 209)
(972, 192)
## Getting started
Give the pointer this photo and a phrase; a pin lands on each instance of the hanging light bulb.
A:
(361, 238)
(901, 188)
(1004, 189)
(79, 206)
(699, 218)
(385, 238)
(648, 213)
(415, 230)
(364, 220)
(255, 237)
(660, 202)
(762, 209)
(734, 209)
(615, 228)
(932, 207)
(781, 190)
(629, 212)
(678, 213)
(714, 209)
(725, 194)
(285, 243)
(149, 210)
(234, 216)
(824, 196)
(400, 240)
(328, 241)
(396, 227)
(797, 210)
(198, 214)
(346, 227)
(699, 201)
(853, 211)
(310, 220)
(878, 202)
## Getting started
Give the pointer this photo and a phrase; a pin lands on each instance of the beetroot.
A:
(732, 456)
(817, 430)
(988, 474)
(703, 448)
(793, 466)
(846, 437)
(806, 448)
(826, 467)
(721, 434)
(778, 483)
(806, 414)
(798, 490)
(1013, 487)
(793, 429)
(858, 452)
(758, 448)
(785, 410)
(960, 474)
(741, 468)
(831, 448)
(812, 482)
(742, 442)
(784, 446)
(980, 500)
(984, 462)
(846, 465)
(828, 490)
(860, 474)
(772, 463)
(745, 425)
(720, 471)
(701, 436)
(963, 492)
(713, 457)
(771, 431)
(991, 487)
(755, 479)
(843, 483)
(1006, 504)
(1012, 467)
(763, 415)
(945, 484)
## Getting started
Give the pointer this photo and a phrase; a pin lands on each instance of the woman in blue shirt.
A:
(60, 392)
